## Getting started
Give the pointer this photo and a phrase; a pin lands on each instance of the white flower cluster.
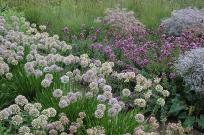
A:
(41, 51)
(32, 120)
(182, 19)
(96, 131)
(60, 126)
(145, 90)
(127, 76)
(190, 66)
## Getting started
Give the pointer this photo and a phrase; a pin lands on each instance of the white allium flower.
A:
(64, 79)
(101, 81)
(138, 88)
(49, 77)
(14, 109)
(38, 106)
(38, 73)
(69, 74)
(23, 130)
(161, 101)
(99, 113)
(127, 134)
(165, 93)
(63, 103)
(33, 25)
(112, 101)
(112, 112)
(106, 68)
(159, 88)
(17, 120)
(93, 86)
(46, 83)
(39, 123)
(107, 88)
(108, 94)
(101, 107)
(28, 107)
(157, 80)
(78, 94)
(139, 118)
(82, 115)
(117, 107)
(64, 120)
(57, 93)
(122, 104)
(4, 114)
(101, 98)
(9, 76)
(43, 117)
(126, 92)
(63, 133)
(89, 94)
(73, 129)
(42, 27)
(140, 102)
(148, 94)
(28, 134)
(53, 132)
(56, 37)
(21, 100)
(34, 112)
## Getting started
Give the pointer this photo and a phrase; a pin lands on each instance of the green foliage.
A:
(4, 130)
(74, 13)
(201, 121)
(189, 121)
(176, 107)
(120, 124)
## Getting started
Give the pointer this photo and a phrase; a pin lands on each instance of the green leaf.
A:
(177, 107)
(189, 121)
(201, 121)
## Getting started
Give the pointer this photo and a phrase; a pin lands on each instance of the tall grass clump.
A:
(74, 13)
